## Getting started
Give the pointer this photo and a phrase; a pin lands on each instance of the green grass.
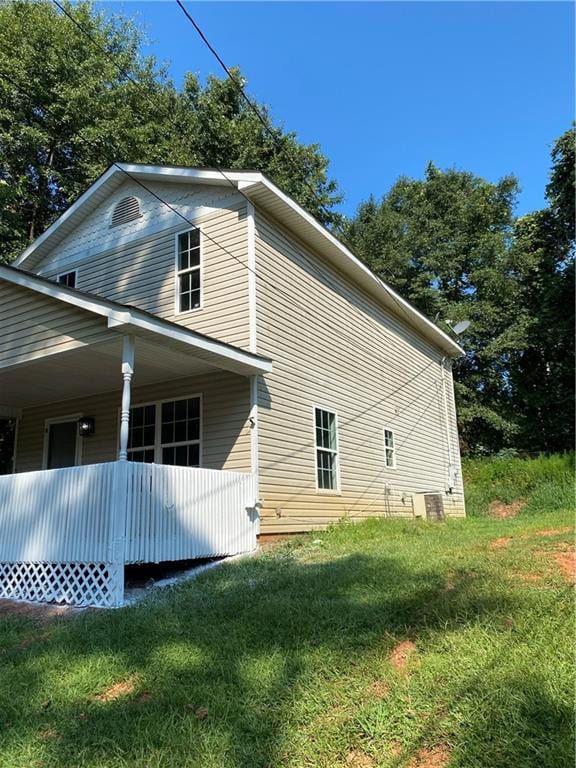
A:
(283, 659)
(543, 482)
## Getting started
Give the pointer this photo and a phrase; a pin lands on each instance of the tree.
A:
(71, 103)
(542, 368)
(443, 242)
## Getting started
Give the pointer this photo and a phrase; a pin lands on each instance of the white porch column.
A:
(127, 373)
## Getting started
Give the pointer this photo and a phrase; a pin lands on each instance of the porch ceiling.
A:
(93, 369)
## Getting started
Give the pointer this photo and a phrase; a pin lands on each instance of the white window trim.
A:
(61, 420)
(326, 491)
(178, 272)
(394, 463)
(68, 272)
(158, 444)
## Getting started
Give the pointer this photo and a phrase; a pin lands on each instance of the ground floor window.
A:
(326, 432)
(167, 432)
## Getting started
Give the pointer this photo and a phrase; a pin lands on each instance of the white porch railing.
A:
(66, 534)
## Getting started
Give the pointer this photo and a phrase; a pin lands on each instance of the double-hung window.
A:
(188, 268)
(326, 449)
(166, 433)
(389, 449)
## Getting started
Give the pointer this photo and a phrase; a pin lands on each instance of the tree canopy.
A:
(450, 244)
(74, 100)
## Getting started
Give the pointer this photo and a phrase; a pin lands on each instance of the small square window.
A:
(67, 278)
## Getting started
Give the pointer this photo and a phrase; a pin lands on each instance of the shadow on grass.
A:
(220, 663)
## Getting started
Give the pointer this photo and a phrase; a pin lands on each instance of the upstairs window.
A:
(166, 433)
(188, 271)
(67, 278)
(389, 449)
(326, 450)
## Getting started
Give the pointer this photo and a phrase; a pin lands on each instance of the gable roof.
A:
(131, 320)
(266, 195)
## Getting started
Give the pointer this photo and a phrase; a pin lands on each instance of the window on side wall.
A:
(389, 449)
(67, 278)
(188, 271)
(167, 432)
(326, 431)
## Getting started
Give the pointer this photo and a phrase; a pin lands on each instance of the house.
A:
(192, 359)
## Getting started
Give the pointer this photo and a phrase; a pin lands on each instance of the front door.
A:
(62, 444)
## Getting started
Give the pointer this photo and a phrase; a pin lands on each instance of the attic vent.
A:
(127, 209)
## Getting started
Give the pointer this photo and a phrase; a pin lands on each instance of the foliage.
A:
(541, 369)
(286, 659)
(71, 105)
(450, 244)
(544, 482)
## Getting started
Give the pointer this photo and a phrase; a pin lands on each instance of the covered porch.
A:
(95, 494)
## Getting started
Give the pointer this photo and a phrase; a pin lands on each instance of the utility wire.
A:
(355, 341)
(270, 130)
(112, 161)
(10, 80)
(125, 73)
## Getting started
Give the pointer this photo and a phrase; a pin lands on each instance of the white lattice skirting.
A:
(82, 584)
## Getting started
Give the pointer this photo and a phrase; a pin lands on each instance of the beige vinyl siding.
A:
(139, 266)
(225, 430)
(335, 348)
(33, 325)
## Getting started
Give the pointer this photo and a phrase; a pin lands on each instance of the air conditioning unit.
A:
(428, 506)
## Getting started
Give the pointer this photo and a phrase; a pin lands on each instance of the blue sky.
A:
(386, 87)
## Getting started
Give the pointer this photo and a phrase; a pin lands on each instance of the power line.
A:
(125, 73)
(205, 234)
(270, 130)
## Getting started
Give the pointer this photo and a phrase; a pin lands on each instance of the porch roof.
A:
(164, 350)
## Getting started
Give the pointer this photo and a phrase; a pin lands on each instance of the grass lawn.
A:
(379, 644)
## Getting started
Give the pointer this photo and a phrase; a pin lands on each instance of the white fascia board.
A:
(68, 213)
(442, 339)
(142, 173)
(118, 317)
(199, 175)
(135, 321)
(56, 291)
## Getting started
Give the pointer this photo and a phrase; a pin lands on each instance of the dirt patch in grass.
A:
(528, 578)
(553, 531)
(39, 614)
(121, 688)
(379, 689)
(357, 759)
(500, 543)
(501, 509)
(566, 561)
(564, 557)
(433, 757)
(402, 653)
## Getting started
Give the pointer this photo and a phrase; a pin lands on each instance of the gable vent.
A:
(127, 209)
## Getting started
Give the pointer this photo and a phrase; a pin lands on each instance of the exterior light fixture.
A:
(86, 426)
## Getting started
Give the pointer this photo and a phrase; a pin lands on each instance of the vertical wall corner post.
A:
(127, 373)
(254, 459)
